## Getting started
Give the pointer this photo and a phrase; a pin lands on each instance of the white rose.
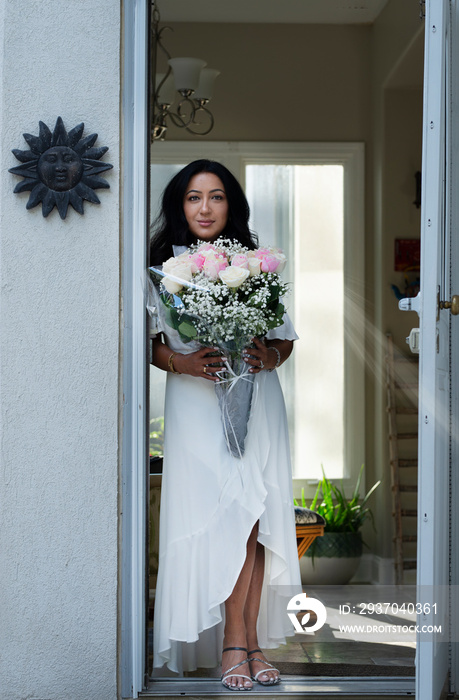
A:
(170, 263)
(233, 276)
(176, 272)
(210, 252)
(254, 266)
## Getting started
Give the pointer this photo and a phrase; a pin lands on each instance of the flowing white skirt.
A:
(210, 502)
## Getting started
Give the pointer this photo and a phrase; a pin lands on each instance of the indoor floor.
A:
(332, 652)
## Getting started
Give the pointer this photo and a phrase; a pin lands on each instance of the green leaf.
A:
(341, 514)
(172, 317)
(187, 330)
(365, 499)
(316, 496)
(274, 292)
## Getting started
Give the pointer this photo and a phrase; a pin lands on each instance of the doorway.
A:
(284, 168)
(263, 126)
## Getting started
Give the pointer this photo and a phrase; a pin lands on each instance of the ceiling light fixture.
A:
(186, 79)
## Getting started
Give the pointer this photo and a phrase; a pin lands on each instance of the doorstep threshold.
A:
(326, 687)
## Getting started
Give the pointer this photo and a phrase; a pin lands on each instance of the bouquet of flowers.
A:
(222, 294)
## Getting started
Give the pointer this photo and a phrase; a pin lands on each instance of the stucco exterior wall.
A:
(59, 365)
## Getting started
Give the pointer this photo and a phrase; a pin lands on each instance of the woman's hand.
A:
(260, 357)
(200, 363)
(264, 356)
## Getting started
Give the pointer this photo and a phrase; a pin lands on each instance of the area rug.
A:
(290, 668)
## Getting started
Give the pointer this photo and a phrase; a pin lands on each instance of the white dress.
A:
(210, 502)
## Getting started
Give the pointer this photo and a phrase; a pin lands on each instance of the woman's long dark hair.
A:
(171, 227)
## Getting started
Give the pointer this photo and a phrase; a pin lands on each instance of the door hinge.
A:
(413, 341)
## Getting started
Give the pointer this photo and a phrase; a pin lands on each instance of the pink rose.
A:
(240, 260)
(206, 247)
(269, 262)
(213, 264)
(197, 261)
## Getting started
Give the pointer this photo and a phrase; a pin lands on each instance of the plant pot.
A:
(333, 559)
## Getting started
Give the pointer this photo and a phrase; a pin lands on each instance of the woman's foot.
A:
(235, 668)
(261, 670)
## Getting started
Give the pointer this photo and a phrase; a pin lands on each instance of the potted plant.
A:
(335, 557)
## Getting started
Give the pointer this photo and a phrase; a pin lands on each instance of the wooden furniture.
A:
(305, 536)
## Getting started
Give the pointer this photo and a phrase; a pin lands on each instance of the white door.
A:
(434, 504)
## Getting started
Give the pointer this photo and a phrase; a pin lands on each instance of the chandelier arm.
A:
(182, 120)
(157, 42)
(158, 35)
(157, 32)
(210, 117)
(158, 88)
(162, 111)
(159, 126)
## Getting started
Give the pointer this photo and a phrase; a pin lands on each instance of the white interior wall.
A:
(395, 38)
(281, 82)
(328, 83)
(59, 366)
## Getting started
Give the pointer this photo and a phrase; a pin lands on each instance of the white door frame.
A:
(133, 434)
(434, 439)
(133, 486)
(454, 289)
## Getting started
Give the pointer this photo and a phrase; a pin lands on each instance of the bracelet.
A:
(271, 347)
(170, 363)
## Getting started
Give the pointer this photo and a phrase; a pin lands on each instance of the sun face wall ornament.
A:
(61, 168)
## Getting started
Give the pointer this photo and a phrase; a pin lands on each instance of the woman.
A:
(227, 539)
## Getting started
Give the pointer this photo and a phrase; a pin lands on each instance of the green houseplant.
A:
(156, 436)
(334, 557)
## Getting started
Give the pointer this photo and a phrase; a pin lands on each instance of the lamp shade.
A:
(205, 87)
(166, 93)
(186, 72)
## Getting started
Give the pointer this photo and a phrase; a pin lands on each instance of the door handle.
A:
(453, 305)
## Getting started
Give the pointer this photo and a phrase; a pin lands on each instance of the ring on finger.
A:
(205, 369)
(262, 364)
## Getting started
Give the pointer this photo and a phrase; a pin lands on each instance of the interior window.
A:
(299, 208)
(305, 199)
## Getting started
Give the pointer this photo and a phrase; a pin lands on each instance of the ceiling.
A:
(272, 11)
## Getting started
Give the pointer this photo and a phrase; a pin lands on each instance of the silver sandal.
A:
(229, 673)
(263, 670)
